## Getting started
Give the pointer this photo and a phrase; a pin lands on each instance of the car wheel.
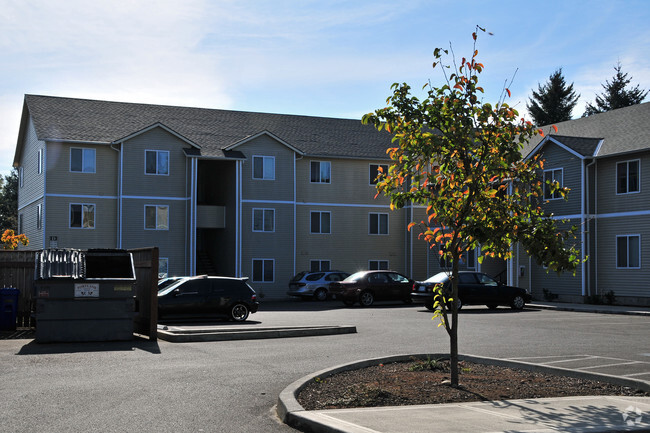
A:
(493, 306)
(429, 306)
(366, 299)
(348, 303)
(459, 305)
(320, 295)
(239, 312)
(517, 303)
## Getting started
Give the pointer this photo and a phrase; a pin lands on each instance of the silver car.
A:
(314, 285)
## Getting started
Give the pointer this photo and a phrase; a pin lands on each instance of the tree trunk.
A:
(453, 335)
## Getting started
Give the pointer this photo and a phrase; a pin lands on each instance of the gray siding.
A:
(104, 235)
(557, 158)
(607, 200)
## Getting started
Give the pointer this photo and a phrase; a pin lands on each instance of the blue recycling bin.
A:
(8, 308)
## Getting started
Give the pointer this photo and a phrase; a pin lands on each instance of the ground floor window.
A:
(377, 223)
(376, 265)
(82, 216)
(263, 270)
(628, 251)
(319, 265)
(163, 267)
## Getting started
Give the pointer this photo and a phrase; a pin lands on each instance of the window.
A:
(263, 271)
(320, 171)
(319, 265)
(21, 227)
(320, 222)
(471, 259)
(156, 162)
(627, 177)
(156, 217)
(39, 216)
(378, 223)
(20, 176)
(163, 267)
(552, 176)
(375, 171)
(378, 265)
(264, 167)
(445, 261)
(263, 220)
(628, 252)
(82, 160)
(39, 163)
(82, 216)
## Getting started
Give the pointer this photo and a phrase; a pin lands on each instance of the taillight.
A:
(253, 297)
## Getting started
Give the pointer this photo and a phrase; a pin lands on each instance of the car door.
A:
(469, 290)
(186, 299)
(400, 286)
(380, 285)
(489, 289)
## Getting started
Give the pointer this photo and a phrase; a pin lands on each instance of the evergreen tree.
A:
(9, 201)
(616, 94)
(553, 102)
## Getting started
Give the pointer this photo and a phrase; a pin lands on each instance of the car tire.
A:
(493, 306)
(239, 312)
(459, 304)
(366, 299)
(320, 295)
(517, 303)
(429, 306)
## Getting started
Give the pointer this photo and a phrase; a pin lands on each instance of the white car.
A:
(314, 285)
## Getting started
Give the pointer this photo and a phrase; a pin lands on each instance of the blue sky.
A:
(320, 58)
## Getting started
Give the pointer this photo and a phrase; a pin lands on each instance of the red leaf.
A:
(554, 127)
(540, 132)
(509, 94)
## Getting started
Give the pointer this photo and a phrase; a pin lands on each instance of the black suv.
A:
(208, 296)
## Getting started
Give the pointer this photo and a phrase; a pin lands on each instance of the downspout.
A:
(193, 217)
(589, 218)
(238, 213)
(43, 213)
(295, 219)
(120, 157)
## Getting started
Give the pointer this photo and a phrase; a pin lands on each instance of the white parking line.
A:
(612, 365)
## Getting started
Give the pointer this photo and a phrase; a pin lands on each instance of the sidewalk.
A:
(574, 414)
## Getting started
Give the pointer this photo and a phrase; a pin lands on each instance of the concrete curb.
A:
(293, 414)
(586, 308)
(228, 334)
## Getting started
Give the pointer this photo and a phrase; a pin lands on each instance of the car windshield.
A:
(440, 277)
(355, 277)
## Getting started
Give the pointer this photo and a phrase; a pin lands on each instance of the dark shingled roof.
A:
(584, 146)
(70, 119)
(623, 130)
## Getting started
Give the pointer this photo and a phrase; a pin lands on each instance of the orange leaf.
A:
(554, 127)
(509, 95)
(540, 132)
(410, 226)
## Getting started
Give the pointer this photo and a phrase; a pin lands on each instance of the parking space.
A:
(632, 369)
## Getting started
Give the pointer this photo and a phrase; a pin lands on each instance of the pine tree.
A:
(616, 95)
(9, 201)
(553, 102)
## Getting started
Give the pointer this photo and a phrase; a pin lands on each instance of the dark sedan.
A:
(474, 288)
(366, 287)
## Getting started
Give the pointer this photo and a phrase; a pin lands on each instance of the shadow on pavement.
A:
(138, 343)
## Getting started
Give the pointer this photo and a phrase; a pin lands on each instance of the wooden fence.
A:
(17, 269)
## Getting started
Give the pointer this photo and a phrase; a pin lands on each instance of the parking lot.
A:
(233, 385)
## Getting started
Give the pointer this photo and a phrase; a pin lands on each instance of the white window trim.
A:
(82, 160)
(370, 178)
(263, 221)
(39, 217)
(628, 236)
(157, 152)
(320, 226)
(552, 170)
(253, 270)
(82, 216)
(379, 261)
(264, 157)
(627, 162)
(156, 206)
(320, 162)
(370, 214)
(21, 177)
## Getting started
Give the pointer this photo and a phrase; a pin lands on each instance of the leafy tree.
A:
(616, 94)
(553, 102)
(461, 159)
(9, 201)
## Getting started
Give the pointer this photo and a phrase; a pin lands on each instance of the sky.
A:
(318, 58)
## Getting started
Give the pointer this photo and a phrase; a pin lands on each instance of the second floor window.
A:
(156, 217)
(82, 160)
(375, 170)
(264, 167)
(549, 177)
(82, 216)
(627, 177)
(320, 171)
(320, 222)
(378, 223)
(156, 162)
(263, 220)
